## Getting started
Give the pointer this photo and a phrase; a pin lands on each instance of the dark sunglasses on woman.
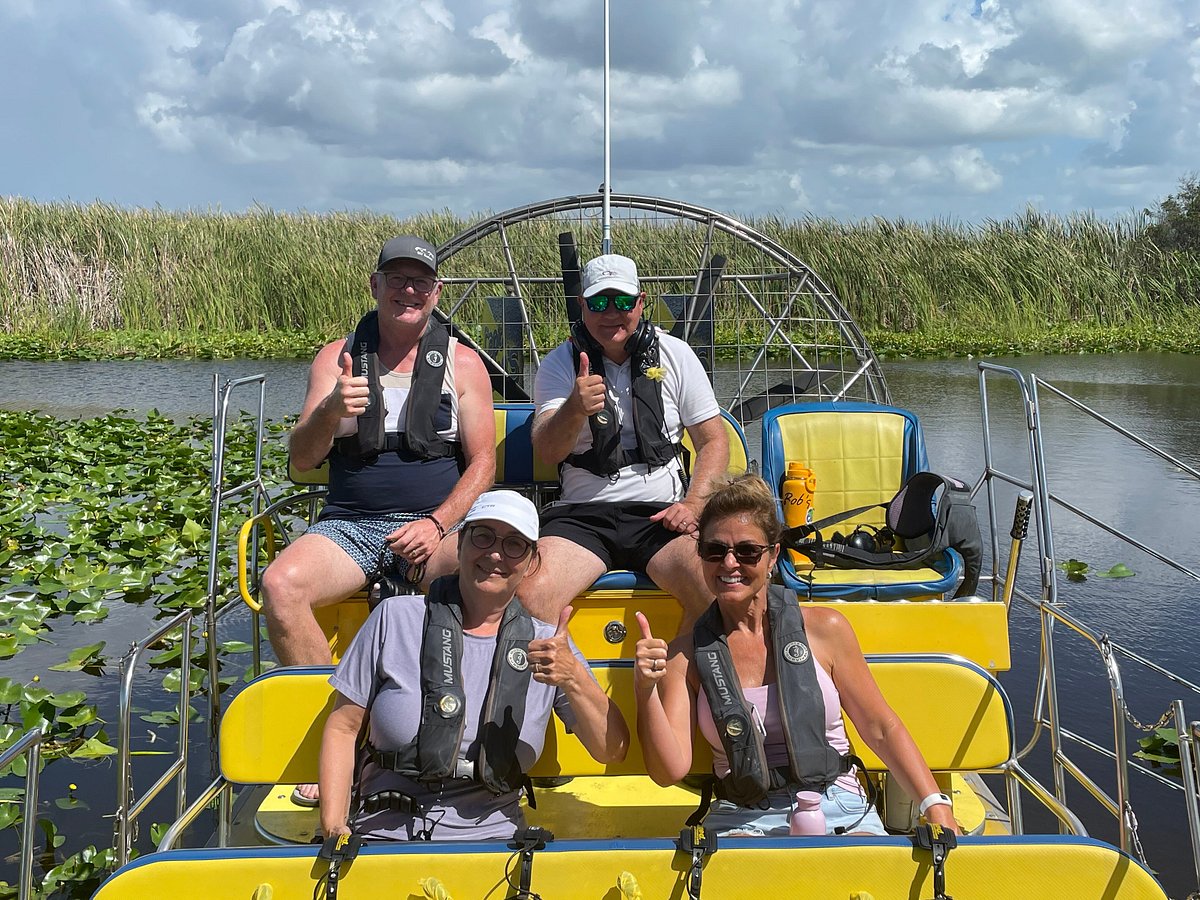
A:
(746, 553)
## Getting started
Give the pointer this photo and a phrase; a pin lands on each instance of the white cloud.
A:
(929, 109)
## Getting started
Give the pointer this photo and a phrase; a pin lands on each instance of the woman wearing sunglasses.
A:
(453, 692)
(766, 682)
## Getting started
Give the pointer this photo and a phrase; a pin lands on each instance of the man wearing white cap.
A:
(613, 404)
(403, 413)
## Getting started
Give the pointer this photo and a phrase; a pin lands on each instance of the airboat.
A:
(798, 382)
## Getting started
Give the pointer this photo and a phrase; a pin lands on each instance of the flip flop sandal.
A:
(300, 800)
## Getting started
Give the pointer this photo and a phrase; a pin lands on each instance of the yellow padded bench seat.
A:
(957, 713)
(603, 625)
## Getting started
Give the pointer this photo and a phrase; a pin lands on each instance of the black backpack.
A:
(930, 513)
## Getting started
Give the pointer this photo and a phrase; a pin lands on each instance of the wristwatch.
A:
(934, 800)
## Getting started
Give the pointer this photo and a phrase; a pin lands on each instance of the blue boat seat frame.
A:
(853, 481)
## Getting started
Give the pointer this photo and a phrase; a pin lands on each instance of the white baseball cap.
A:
(608, 273)
(508, 507)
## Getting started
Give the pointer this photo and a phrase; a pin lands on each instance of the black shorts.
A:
(621, 534)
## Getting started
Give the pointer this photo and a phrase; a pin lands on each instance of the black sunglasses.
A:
(746, 553)
(514, 547)
(599, 302)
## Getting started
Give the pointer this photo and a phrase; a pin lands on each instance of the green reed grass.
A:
(270, 283)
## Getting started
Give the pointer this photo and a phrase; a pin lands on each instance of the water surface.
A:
(1152, 613)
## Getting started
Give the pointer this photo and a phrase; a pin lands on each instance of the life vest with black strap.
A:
(606, 456)
(813, 765)
(434, 755)
(420, 435)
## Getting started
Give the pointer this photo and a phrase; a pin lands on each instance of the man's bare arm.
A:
(333, 394)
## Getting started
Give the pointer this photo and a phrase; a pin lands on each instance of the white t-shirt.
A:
(688, 399)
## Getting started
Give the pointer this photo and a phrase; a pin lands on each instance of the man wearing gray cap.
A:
(612, 407)
(403, 412)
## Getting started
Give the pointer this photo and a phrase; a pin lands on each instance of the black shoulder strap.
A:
(363, 348)
(443, 698)
(748, 779)
(815, 764)
(504, 708)
(425, 394)
(606, 455)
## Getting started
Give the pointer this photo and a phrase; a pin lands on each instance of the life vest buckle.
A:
(939, 842)
(338, 849)
(698, 842)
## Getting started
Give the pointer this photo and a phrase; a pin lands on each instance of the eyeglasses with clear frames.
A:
(747, 553)
(513, 546)
(398, 281)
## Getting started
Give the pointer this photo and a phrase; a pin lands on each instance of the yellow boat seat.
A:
(956, 712)
(860, 454)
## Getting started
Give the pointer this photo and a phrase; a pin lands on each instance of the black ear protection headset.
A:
(868, 538)
(637, 343)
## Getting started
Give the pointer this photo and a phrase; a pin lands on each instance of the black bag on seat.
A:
(929, 513)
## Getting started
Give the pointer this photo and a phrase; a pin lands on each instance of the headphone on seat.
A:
(867, 538)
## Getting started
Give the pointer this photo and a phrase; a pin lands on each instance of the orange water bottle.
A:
(796, 491)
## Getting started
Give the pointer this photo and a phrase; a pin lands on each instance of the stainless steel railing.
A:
(1047, 716)
(130, 807)
(29, 746)
(216, 608)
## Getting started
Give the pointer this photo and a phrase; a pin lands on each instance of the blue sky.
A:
(957, 110)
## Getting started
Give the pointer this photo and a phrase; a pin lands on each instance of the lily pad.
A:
(93, 748)
(1120, 570)
(82, 659)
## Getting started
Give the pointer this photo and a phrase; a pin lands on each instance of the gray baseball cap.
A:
(408, 246)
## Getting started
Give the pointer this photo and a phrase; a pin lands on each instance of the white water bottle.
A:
(807, 817)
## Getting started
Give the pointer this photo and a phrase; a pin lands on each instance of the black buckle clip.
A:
(527, 841)
(939, 842)
(338, 849)
(698, 842)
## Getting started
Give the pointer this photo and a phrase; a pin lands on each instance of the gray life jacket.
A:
(813, 763)
(420, 434)
(434, 755)
(606, 456)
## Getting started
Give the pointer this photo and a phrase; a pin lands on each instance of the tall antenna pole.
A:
(606, 230)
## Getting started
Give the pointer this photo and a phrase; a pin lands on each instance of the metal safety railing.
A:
(130, 807)
(1053, 619)
(216, 608)
(29, 746)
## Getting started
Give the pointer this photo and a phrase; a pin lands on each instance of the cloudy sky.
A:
(923, 109)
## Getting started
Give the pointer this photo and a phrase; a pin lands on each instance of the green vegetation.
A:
(95, 513)
(1175, 224)
(99, 281)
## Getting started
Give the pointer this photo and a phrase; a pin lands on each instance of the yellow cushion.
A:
(857, 459)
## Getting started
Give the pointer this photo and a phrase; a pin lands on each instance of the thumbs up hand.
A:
(551, 658)
(350, 394)
(588, 393)
(650, 656)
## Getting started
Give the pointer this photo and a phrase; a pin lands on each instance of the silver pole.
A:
(606, 230)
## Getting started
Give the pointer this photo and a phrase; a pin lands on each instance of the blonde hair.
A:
(745, 495)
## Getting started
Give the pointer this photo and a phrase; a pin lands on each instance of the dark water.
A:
(1151, 613)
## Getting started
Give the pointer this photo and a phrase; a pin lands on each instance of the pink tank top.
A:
(765, 700)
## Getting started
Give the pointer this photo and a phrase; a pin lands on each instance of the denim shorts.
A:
(364, 538)
(842, 809)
